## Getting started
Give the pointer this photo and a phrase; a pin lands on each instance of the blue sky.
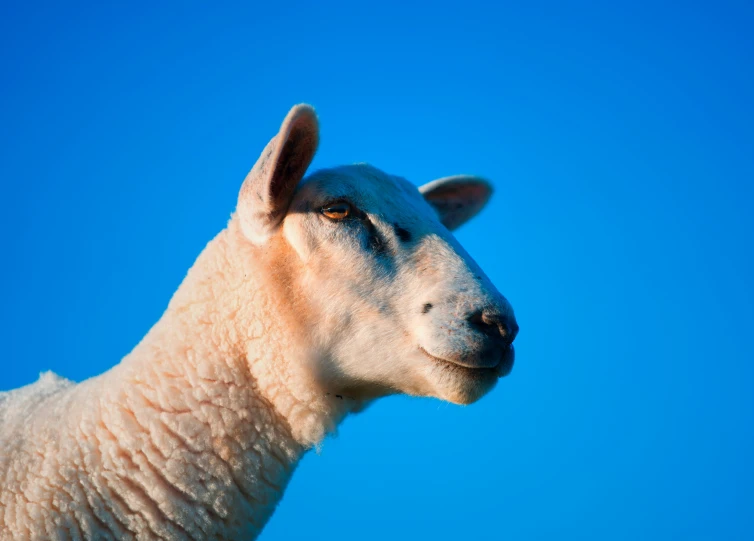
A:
(620, 139)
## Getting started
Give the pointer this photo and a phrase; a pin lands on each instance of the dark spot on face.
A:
(426, 308)
(401, 233)
(375, 242)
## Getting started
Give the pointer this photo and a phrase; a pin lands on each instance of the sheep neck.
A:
(221, 376)
(239, 302)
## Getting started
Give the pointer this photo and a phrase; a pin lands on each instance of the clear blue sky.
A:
(620, 139)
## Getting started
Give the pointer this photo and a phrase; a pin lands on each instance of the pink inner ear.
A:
(293, 160)
(459, 195)
(458, 200)
(266, 193)
(472, 193)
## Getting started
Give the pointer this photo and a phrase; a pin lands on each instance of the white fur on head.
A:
(268, 188)
(289, 319)
(458, 198)
(386, 299)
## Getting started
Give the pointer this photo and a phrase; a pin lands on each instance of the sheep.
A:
(321, 295)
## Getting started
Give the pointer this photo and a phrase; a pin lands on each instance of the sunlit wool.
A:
(287, 322)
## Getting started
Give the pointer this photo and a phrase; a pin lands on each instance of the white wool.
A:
(288, 321)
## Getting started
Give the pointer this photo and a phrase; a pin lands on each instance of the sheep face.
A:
(386, 299)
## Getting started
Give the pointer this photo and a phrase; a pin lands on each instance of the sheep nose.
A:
(500, 327)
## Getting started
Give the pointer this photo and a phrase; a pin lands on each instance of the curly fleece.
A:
(194, 435)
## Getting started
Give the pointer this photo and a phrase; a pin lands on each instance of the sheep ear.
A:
(457, 199)
(268, 189)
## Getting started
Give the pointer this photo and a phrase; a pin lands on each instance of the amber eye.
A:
(337, 211)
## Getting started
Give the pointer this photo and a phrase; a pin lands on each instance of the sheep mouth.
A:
(501, 369)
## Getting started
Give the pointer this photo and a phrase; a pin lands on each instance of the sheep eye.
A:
(337, 211)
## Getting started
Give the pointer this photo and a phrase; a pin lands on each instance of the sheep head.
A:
(381, 295)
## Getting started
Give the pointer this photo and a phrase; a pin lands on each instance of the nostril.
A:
(513, 329)
(508, 332)
(495, 325)
(485, 322)
(477, 321)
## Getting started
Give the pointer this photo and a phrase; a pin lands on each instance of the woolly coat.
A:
(194, 435)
